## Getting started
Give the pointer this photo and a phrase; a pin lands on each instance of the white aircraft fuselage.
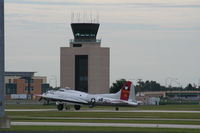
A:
(125, 97)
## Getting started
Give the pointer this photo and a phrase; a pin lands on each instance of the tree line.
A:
(147, 85)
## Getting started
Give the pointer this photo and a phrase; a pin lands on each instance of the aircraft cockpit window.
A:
(64, 89)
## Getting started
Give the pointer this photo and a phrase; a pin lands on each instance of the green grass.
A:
(99, 129)
(106, 114)
(171, 107)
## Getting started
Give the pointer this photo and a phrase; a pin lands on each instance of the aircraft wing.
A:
(64, 99)
(77, 100)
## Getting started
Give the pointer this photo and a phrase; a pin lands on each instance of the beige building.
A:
(85, 64)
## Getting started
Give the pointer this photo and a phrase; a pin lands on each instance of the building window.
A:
(31, 88)
(11, 88)
(45, 88)
(81, 73)
(26, 88)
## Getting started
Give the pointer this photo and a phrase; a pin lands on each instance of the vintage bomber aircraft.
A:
(67, 96)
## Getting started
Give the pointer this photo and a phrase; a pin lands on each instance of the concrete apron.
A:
(4, 122)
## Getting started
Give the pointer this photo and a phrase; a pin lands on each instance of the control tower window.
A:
(87, 31)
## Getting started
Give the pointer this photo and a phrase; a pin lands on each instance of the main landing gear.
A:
(60, 107)
(77, 107)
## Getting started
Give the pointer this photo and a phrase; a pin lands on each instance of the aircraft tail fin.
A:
(127, 92)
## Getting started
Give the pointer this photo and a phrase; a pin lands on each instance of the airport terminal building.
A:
(85, 65)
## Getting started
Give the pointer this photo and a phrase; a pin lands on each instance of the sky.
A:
(148, 39)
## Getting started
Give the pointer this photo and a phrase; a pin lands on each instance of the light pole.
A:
(2, 112)
(4, 121)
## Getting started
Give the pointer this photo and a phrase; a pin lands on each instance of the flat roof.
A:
(21, 74)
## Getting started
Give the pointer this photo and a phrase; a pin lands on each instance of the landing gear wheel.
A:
(116, 108)
(60, 107)
(77, 107)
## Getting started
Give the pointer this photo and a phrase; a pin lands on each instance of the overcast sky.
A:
(148, 39)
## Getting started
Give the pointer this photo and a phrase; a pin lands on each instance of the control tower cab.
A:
(84, 33)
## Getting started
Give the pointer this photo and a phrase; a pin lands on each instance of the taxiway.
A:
(103, 124)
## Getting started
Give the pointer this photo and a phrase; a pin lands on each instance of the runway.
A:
(104, 125)
(94, 110)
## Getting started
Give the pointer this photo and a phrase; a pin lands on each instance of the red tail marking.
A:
(125, 91)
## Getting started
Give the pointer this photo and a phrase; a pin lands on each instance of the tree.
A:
(117, 85)
(140, 86)
(189, 87)
(148, 86)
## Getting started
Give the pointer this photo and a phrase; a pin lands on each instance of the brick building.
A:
(24, 84)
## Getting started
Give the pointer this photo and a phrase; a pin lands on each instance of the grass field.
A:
(56, 116)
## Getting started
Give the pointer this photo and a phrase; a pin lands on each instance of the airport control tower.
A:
(85, 64)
